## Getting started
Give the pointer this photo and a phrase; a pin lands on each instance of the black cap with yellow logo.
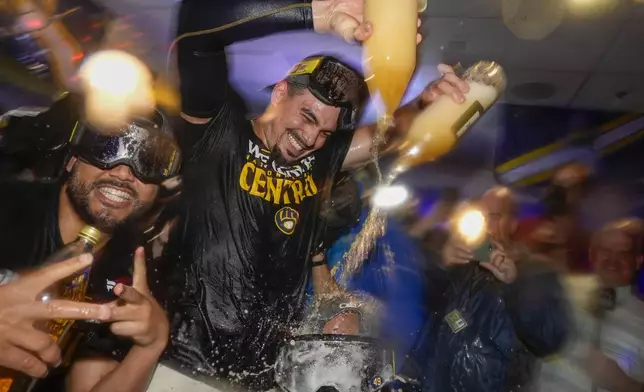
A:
(335, 84)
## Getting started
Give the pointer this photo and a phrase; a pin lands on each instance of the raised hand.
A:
(456, 252)
(501, 264)
(344, 18)
(25, 348)
(449, 84)
(137, 315)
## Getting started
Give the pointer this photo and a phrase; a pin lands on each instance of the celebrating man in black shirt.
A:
(239, 254)
(113, 182)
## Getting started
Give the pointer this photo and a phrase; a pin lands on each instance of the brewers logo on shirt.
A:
(286, 219)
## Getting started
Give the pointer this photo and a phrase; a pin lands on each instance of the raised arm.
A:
(206, 27)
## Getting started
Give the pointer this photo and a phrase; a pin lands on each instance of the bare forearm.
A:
(323, 282)
(403, 119)
(360, 153)
(133, 373)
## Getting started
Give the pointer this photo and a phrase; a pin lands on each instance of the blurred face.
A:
(613, 258)
(345, 323)
(500, 223)
(300, 124)
(108, 198)
(571, 178)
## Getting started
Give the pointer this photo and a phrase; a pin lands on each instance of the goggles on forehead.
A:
(145, 145)
(335, 84)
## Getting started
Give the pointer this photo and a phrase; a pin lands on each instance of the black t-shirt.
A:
(239, 256)
(29, 229)
(29, 232)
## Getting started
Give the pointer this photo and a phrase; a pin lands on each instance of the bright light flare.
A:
(472, 224)
(114, 72)
(389, 197)
(117, 85)
(468, 224)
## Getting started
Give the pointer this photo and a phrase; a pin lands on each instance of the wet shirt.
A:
(238, 260)
(28, 223)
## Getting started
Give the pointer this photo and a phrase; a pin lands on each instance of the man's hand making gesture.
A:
(137, 315)
(23, 347)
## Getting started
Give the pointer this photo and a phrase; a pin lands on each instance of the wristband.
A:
(320, 263)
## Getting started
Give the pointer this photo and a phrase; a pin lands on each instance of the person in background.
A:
(501, 309)
(607, 353)
(559, 233)
(112, 183)
(393, 274)
(429, 230)
(35, 142)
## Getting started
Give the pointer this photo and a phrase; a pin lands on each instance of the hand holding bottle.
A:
(344, 18)
(138, 315)
(25, 348)
(449, 84)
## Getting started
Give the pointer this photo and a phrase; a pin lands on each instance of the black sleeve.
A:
(539, 309)
(203, 69)
(38, 129)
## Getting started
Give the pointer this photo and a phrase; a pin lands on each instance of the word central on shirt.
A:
(274, 183)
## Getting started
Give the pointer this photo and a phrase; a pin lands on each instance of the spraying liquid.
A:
(389, 60)
(433, 133)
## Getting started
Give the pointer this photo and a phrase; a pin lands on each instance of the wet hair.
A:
(294, 87)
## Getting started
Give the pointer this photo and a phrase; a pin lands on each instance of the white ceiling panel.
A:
(626, 52)
(602, 90)
(576, 45)
(566, 83)
(460, 39)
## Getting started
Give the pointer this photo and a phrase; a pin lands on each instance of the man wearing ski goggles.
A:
(145, 145)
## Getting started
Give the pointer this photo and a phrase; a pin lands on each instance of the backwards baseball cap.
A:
(335, 84)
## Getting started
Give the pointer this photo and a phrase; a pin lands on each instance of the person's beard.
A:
(276, 153)
(79, 195)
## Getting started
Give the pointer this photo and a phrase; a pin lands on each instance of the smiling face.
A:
(107, 198)
(614, 258)
(498, 206)
(300, 123)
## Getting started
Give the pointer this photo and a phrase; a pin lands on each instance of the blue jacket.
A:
(399, 285)
(487, 336)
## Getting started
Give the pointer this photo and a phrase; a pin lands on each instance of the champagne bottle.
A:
(437, 129)
(72, 288)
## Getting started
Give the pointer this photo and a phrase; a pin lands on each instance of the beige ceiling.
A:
(589, 62)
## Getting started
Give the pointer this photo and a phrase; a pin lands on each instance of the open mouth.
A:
(115, 196)
(296, 143)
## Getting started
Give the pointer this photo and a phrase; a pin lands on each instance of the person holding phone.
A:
(501, 309)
